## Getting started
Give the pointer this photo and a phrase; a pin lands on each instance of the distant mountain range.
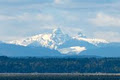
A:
(22, 51)
(58, 43)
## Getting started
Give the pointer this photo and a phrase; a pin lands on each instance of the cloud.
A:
(5, 17)
(12, 32)
(20, 25)
(86, 4)
(57, 1)
(27, 17)
(61, 1)
(103, 20)
(109, 36)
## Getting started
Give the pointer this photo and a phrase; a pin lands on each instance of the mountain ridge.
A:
(58, 38)
(59, 44)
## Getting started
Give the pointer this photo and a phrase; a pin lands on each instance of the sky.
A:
(94, 18)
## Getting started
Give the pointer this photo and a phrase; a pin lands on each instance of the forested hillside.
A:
(59, 65)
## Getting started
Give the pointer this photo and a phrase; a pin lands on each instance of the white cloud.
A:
(27, 17)
(57, 1)
(109, 36)
(103, 20)
(61, 1)
(44, 17)
(5, 17)
(69, 16)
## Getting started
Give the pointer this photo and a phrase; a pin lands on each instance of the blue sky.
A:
(95, 18)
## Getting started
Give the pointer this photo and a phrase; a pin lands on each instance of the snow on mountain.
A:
(47, 40)
(72, 50)
(96, 42)
(92, 41)
(43, 39)
(58, 38)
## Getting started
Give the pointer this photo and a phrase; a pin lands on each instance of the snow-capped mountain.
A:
(92, 41)
(56, 38)
(60, 41)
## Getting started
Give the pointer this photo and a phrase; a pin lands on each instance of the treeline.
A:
(59, 65)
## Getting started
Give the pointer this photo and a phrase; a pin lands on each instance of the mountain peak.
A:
(59, 37)
(80, 34)
(57, 31)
